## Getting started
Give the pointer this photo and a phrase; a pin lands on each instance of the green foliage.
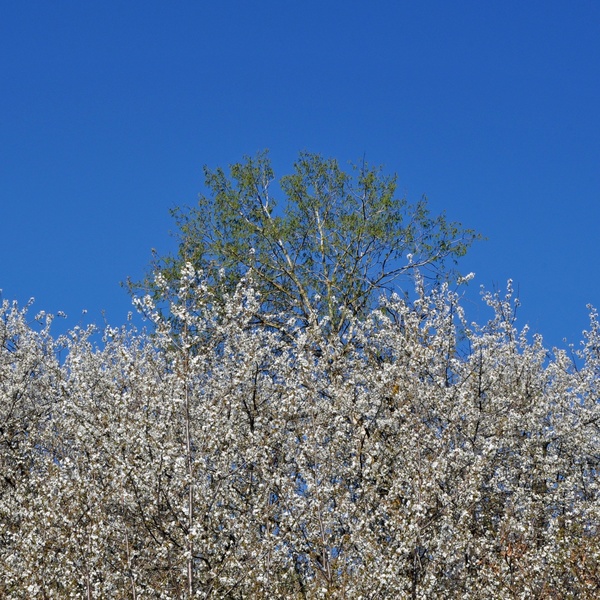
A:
(339, 239)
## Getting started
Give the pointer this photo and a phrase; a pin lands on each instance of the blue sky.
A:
(109, 110)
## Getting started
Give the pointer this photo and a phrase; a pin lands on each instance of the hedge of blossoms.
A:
(415, 456)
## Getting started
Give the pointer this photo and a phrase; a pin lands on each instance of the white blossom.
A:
(217, 456)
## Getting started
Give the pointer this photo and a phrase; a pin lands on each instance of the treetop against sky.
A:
(111, 111)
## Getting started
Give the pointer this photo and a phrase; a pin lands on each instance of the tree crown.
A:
(339, 239)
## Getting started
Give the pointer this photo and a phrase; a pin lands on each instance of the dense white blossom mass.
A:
(411, 455)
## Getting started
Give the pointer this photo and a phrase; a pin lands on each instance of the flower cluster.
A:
(232, 454)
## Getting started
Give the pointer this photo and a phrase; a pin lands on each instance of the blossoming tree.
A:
(414, 456)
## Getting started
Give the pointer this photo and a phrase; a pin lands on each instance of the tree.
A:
(217, 458)
(338, 240)
(349, 448)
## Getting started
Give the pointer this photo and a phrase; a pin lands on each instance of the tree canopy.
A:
(334, 243)
(415, 455)
(250, 467)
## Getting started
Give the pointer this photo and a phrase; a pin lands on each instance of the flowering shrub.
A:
(414, 455)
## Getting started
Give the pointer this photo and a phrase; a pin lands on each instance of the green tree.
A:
(339, 239)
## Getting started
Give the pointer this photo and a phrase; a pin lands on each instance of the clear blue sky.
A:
(109, 110)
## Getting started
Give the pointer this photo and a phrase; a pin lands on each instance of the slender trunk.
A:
(190, 511)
